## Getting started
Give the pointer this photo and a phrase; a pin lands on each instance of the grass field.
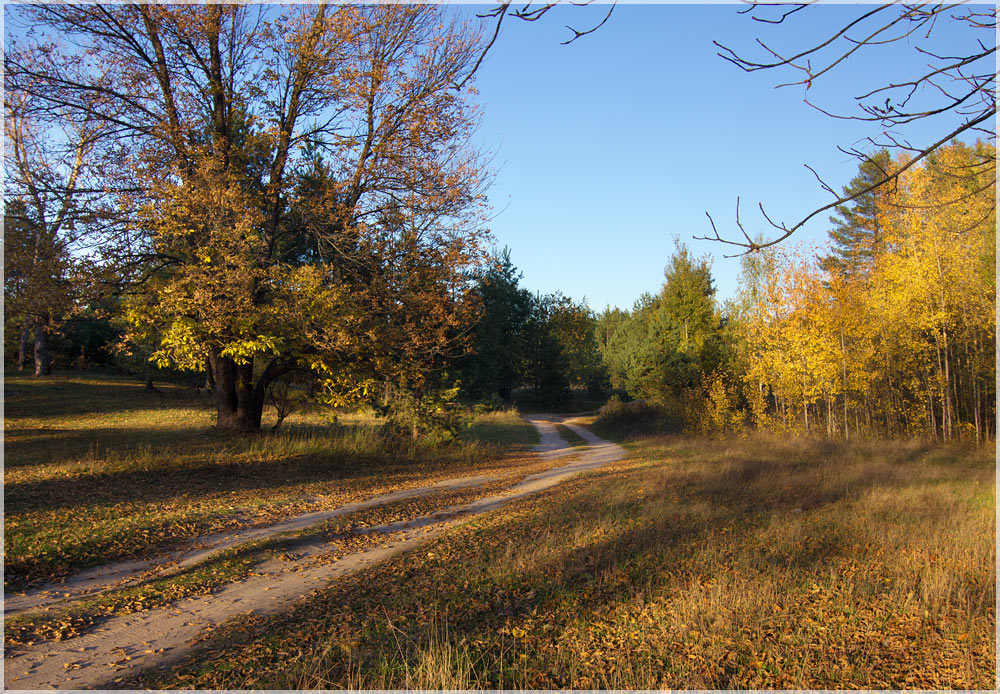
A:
(750, 563)
(692, 564)
(99, 469)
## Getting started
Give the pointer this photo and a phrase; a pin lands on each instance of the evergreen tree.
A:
(544, 367)
(499, 339)
(607, 322)
(857, 235)
(573, 325)
(670, 342)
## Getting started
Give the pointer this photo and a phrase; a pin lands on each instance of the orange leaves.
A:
(311, 201)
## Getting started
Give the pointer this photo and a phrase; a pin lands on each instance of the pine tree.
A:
(499, 340)
(857, 234)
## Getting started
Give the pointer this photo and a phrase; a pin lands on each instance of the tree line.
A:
(275, 197)
(888, 330)
(893, 331)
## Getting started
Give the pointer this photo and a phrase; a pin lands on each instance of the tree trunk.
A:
(505, 390)
(847, 432)
(22, 353)
(238, 400)
(43, 365)
(843, 377)
(149, 380)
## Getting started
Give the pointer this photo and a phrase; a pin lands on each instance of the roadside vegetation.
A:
(764, 563)
(99, 469)
(284, 258)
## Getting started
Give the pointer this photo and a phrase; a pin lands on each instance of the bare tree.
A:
(957, 91)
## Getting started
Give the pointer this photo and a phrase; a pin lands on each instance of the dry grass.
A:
(692, 564)
(98, 469)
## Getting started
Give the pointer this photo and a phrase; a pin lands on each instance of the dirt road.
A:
(125, 645)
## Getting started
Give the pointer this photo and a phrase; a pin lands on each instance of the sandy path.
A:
(124, 645)
(122, 574)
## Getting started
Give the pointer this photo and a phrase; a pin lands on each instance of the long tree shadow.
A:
(24, 448)
(64, 397)
(740, 493)
(197, 465)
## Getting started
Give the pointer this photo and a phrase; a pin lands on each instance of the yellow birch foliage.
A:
(905, 347)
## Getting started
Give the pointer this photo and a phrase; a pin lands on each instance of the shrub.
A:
(636, 419)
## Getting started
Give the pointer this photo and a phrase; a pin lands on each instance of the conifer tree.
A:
(857, 234)
(499, 338)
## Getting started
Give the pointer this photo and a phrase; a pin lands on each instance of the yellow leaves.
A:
(180, 346)
(345, 389)
(884, 336)
(243, 351)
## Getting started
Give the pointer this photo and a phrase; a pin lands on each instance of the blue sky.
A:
(610, 147)
(607, 149)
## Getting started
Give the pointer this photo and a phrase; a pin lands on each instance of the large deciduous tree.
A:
(294, 185)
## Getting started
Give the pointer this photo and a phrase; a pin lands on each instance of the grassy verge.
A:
(339, 536)
(570, 436)
(97, 469)
(503, 427)
(692, 564)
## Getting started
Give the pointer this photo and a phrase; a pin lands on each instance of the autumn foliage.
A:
(903, 346)
(295, 191)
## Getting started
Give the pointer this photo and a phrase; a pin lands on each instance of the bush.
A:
(493, 403)
(432, 417)
(636, 419)
(719, 414)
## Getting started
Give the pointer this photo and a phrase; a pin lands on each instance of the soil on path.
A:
(127, 644)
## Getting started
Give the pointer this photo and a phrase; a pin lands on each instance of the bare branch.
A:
(578, 34)
(944, 87)
(787, 231)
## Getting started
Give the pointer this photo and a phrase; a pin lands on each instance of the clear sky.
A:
(611, 146)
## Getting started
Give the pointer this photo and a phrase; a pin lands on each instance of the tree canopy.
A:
(293, 189)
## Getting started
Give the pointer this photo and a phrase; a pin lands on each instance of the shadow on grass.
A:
(193, 463)
(64, 396)
(24, 448)
(485, 579)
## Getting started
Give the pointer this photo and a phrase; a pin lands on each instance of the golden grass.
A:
(753, 563)
(98, 469)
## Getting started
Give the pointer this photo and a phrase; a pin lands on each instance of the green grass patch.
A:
(503, 427)
(758, 563)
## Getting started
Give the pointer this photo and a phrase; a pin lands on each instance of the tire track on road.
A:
(125, 645)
